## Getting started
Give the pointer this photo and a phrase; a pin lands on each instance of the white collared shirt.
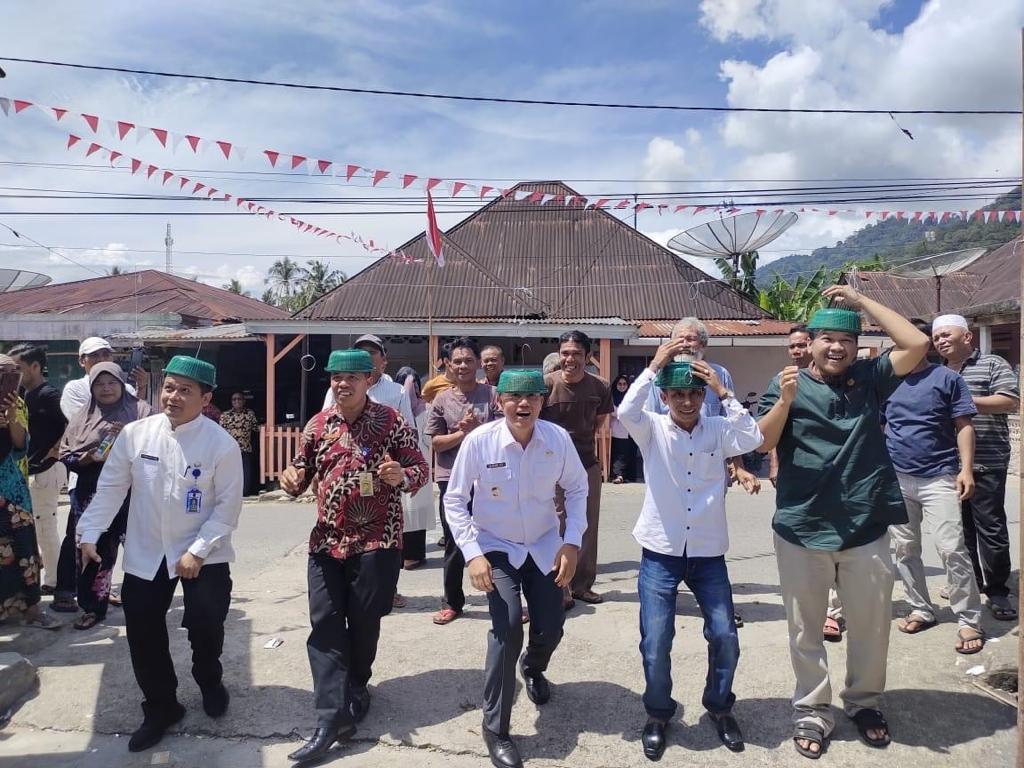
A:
(386, 392)
(513, 493)
(156, 463)
(684, 504)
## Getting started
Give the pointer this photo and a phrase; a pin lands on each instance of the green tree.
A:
(796, 301)
(115, 270)
(268, 297)
(742, 279)
(317, 278)
(284, 278)
(234, 287)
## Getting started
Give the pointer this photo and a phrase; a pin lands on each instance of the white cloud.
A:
(785, 19)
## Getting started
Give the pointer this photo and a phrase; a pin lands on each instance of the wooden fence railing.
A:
(279, 447)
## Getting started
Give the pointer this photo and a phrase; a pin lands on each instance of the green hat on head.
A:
(678, 376)
(522, 382)
(192, 368)
(834, 319)
(349, 361)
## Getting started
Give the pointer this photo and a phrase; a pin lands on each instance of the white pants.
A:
(44, 487)
(934, 500)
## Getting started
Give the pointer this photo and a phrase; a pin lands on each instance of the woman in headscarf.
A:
(623, 447)
(85, 447)
(419, 507)
(19, 560)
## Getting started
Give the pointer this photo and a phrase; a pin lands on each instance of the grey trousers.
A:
(863, 577)
(586, 568)
(505, 640)
(934, 500)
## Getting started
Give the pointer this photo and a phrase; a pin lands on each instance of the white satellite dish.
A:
(939, 264)
(18, 279)
(735, 235)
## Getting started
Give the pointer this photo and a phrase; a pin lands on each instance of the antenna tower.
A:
(169, 242)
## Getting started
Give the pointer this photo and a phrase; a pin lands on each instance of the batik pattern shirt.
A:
(240, 426)
(336, 453)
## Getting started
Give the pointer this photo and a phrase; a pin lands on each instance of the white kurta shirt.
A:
(514, 494)
(386, 392)
(156, 463)
(684, 504)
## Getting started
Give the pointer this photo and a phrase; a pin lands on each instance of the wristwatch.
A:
(728, 394)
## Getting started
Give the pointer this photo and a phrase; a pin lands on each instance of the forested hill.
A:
(895, 242)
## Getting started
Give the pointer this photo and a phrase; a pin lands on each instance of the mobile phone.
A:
(9, 382)
(138, 357)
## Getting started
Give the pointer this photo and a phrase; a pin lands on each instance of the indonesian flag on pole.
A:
(434, 242)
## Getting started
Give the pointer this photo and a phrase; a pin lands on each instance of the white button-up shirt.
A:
(386, 392)
(156, 463)
(684, 504)
(513, 493)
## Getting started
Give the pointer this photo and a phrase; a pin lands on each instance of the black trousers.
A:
(986, 534)
(505, 641)
(454, 563)
(623, 458)
(347, 599)
(146, 603)
(246, 473)
(414, 545)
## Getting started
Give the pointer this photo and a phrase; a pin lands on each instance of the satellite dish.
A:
(939, 263)
(729, 238)
(17, 279)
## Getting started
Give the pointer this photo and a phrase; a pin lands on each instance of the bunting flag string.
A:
(122, 130)
(205, 191)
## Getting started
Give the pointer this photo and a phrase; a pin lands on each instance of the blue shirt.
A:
(712, 405)
(919, 415)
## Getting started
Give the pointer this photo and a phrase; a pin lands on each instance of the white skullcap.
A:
(947, 321)
(92, 344)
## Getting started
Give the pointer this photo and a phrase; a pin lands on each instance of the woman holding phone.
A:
(85, 447)
(19, 559)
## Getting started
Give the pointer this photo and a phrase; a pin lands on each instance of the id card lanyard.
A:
(366, 488)
(194, 496)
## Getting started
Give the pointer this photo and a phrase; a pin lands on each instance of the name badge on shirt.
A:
(366, 484)
(147, 457)
(496, 465)
(193, 501)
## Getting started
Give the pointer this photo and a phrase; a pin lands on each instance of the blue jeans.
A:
(708, 579)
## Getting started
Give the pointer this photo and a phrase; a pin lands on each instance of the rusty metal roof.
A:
(916, 296)
(224, 332)
(145, 292)
(662, 329)
(525, 260)
(999, 272)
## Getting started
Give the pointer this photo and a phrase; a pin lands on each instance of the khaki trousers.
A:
(44, 489)
(586, 566)
(863, 577)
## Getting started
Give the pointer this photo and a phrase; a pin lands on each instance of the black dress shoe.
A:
(537, 686)
(729, 732)
(321, 742)
(153, 727)
(502, 750)
(358, 704)
(215, 700)
(653, 739)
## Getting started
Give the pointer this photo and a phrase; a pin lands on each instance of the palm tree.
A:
(743, 279)
(234, 287)
(798, 301)
(284, 277)
(317, 279)
(115, 270)
(268, 297)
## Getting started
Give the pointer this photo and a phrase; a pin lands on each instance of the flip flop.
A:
(832, 631)
(1001, 609)
(813, 733)
(86, 621)
(965, 635)
(446, 616)
(872, 720)
(913, 624)
(43, 621)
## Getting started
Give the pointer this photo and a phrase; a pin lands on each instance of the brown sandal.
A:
(86, 621)
(914, 623)
(966, 635)
(832, 630)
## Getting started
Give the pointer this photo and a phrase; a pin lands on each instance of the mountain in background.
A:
(894, 242)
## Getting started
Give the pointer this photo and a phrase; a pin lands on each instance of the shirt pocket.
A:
(496, 485)
(183, 487)
(708, 464)
(146, 473)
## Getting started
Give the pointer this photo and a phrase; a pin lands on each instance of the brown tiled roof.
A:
(915, 296)
(145, 292)
(521, 259)
(999, 272)
(662, 329)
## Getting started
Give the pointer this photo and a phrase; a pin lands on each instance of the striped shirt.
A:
(990, 375)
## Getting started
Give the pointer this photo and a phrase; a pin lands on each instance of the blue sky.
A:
(861, 53)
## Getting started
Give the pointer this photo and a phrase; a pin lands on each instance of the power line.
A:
(507, 100)
(23, 236)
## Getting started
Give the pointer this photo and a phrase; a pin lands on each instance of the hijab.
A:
(88, 426)
(616, 395)
(410, 380)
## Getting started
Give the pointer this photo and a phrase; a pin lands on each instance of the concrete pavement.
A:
(428, 680)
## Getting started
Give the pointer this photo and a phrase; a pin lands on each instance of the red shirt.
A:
(336, 453)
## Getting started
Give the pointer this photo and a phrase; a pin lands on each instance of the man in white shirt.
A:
(383, 388)
(683, 531)
(509, 468)
(184, 473)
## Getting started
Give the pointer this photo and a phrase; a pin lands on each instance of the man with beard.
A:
(362, 456)
(996, 393)
(510, 468)
(837, 496)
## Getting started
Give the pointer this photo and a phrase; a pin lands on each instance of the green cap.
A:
(349, 361)
(192, 368)
(834, 319)
(522, 382)
(678, 376)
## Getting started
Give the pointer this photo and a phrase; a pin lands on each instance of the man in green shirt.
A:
(837, 495)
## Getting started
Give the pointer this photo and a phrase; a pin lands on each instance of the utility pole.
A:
(635, 203)
(169, 242)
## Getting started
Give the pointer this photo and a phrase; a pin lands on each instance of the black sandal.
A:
(872, 720)
(813, 733)
(86, 621)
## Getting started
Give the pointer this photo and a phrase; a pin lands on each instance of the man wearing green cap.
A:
(184, 473)
(362, 456)
(683, 531)
(837, 495)
(509, 468)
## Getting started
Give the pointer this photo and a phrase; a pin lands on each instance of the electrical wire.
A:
(508, 100)
(23, 236)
